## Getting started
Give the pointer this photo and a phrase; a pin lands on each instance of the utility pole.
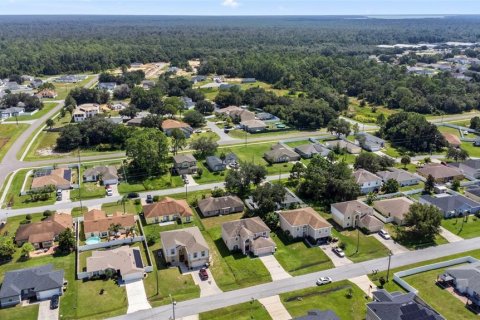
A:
(123, 168)
(357, 220)
(79, 186)
(173, 306)
(390, 254)
(186, 191)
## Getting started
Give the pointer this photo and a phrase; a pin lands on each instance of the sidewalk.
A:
(275, 308)
(451, 237)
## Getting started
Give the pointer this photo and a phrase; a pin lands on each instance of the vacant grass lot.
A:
(468, 227)
(129, 207)
(8, 134)
(165, 181)
(243, 311)
(343, 297)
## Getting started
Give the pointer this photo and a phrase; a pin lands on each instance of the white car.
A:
(339, 252)
(323, 280)
(384, 234)
(109, 192)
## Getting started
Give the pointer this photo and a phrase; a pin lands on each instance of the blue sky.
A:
(240, 7)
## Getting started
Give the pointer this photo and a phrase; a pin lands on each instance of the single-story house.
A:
(253, 126)
(440, 172)
(11, 112)
(35, 83)
(135, 122)
(44, 233)
(249, 235)
(394, 208)
(169, 124)
(168, 209)
(85, 111)
(231, 159)
(198, 78)
(186, 246)
(117, 106)
(404, 178)
(281, 153)
(107, 174)
(466, 280)
(37, 283)
(452, 205)
(125, 261)
(47, 94)
(184, 164)
(308, 150)
(370, 142)
(147, 84)
(305, 223)
(473, 193)
(399, 306)
(188, 103)
(96, 223)
(452, 139)
(215, 164)
(367, 181)
(343, 144)
(60, 178)
(249, 80)
(222, 205)
(319, 315)
(108, 86)
(355, 213)
(470, 168)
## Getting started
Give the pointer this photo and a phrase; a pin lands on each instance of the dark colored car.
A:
(54, 302)
(132, 195)
(203, 274)
(149, 198)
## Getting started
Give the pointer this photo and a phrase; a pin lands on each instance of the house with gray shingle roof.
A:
(212, 206)
(466, 280)
(107, 174)
(370, 142)
(281, 153)
(367, 181)
(452, 205)
(215, 164)
(310, 149)
(404, 178)
(185, 246)
(249, 235)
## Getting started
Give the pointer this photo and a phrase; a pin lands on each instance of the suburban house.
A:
(47, 94)
(44, 233)
(466, 280)
(367, 181)
(96, 223)
(11, 112)
(218, 206)
(404, 178)
(188, 103)
(452, 205)
(184, 164)
(231, 159)
(215, 164)
(249, 80)
(470, 168)
(370, 142)
(59, 178)
(290, 201)
(319, 315)
(168, 125)
(399, 306)
(305, 223)
(117, 106)
(253, 126)
(125, 261)
(85, 111)
(440, 172)
(35, 83)
(106, 174)
(108, 86)
(343, 144)
(37, 283)
(168, 209)
(308, 150)
(452, 139)
(237, 114)
(393, 209)
(135, 122)
(355, 213)
(473, 193)
(250, 236)
(186, 246)
(281, 153)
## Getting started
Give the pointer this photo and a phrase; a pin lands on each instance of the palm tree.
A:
(123, 201)
(115, 228)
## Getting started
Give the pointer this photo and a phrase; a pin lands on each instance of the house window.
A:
(187, 219)
(195, 255)
(172, 251)
(203, 253)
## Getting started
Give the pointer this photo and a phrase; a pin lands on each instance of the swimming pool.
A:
(93, 240)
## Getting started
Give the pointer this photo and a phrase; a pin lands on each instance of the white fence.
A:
(112, 243)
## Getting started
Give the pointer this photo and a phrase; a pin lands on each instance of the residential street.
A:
(225, 299)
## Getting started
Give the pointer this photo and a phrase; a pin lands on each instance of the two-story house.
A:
(184, 164)
(367, 181)
(355, 213)
(85, 111)
(185, 246)
(305, 223)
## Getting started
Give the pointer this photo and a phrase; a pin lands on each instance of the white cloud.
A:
(230, 3)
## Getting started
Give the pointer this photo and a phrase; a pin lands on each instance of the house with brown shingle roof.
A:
(43, 234)
(393, 209)
(305, 222)
(96, 223)
(440, 172)
(168, 209)
(367, 181)
(169, 124)
(185, 246)
(279, 153)
(249, 235)
(237, 114)
(221, 205)
(59, 178)
(355, 213)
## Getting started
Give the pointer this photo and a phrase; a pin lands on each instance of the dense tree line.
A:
(130, 78)
(13, 99)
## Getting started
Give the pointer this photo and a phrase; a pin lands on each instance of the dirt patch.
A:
(3, 142)
(50, 152)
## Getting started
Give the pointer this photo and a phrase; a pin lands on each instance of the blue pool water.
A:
(93, 240)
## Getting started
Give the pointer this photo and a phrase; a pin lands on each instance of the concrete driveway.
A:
(191, 181)
(207, 287)
(115, 192)
(275, 308)
(337, 261)
(393, 246)
(65, 197)
(450, 236)
(224, 137)
(45, 313)
(273, 266)
(137, 298)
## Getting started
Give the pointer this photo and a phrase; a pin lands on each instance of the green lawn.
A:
(76, 212)
(165, 181)
(421, 185)
(19, 312)
(240, 134)
(454, 131)
(252, 310)
(297, 258)
(369, 247)
(207, 175)
(368, 113)
(130, 207)
(334, 296)
(412, 244)
(294, 144)
(16, 200)
(391, 151)
(471, 149)
(47, 106)
(468, 227)
(88, 190)
(8, 134)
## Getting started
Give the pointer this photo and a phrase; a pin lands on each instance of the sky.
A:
(240, 7)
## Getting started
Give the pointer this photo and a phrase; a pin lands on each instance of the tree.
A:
(371, 197)
(457, 153)
(456, 184)
(70, 138)
(339, 126)
(475, 123)
(27, 247)
(332, 156)
(66, 240)
(179, 141)
(194, 118)
(7, 247)
(405, 161)
(371, 162)
(152, 121)
(423, 221)
(115, 228)
(148, 150)
(50, 123)
(391, 186)
(204, 146)
(199, 172)
(267, 197)
(239, 181)
(355, 128)
(297, 170)
(151, 238)
(131, 111)
(429, 184)
(381, 119)
(204, 107)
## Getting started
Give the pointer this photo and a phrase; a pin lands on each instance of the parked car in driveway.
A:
(149, 198)
(339, 252)
(203, 274)
(109, 192)
(54, 302)
(384, 234)
(323, 280)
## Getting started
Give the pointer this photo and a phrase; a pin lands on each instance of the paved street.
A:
(225, 299)
(393, 246)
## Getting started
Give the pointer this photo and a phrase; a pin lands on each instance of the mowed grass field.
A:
(8, 134)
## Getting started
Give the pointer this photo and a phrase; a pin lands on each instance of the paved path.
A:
(364, 283)
(207, 287)
(45, 313)
(336, 260)
(137, 298)
(346, 272)
(275, 308)
(392, 245)
(450, 236)
(273, 266)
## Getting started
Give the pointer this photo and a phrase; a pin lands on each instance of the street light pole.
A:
(390, 254)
